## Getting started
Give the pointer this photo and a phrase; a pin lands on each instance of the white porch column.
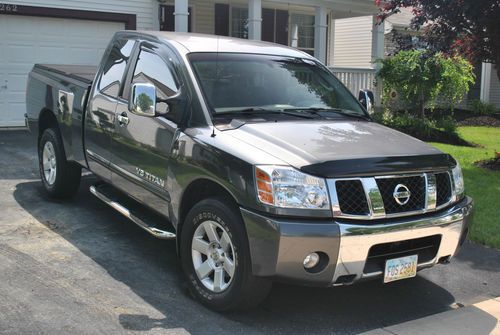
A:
(378, 46)
(331, 43)
(181, 16)
(255, 20)
(485, 82)
(320, 33)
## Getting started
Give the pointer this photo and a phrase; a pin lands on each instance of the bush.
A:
(420, 78)
(482, 108)
(443, 130)
(419, 128)
(447, 124)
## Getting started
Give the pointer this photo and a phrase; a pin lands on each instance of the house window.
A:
(275, 26)
(302, 32)
(239, 22)
(278, 26)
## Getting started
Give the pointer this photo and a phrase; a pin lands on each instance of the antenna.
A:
(216, 71)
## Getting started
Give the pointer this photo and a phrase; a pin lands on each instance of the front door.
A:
(142, 145)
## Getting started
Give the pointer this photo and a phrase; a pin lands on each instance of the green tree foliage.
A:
(421, 78)
(144, 102)
(470, 28)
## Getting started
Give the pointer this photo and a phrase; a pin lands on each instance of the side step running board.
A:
(161, 234)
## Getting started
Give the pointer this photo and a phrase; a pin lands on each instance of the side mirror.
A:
(143, 100)
(366, 98)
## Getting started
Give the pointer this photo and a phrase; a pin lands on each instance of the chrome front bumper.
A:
(278, 246)
(356, 240)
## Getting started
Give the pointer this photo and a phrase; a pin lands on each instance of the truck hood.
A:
(342, 148)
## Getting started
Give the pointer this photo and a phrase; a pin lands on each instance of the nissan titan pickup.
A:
(253, 157)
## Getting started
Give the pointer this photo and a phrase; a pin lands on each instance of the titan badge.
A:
(150, 177)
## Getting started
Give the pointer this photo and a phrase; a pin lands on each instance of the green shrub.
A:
(482, 108)
(406, 123)
(443, 130)
(420, 78)
(447, 124)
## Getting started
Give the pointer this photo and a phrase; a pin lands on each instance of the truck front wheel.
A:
(60, 178)
(216, 259)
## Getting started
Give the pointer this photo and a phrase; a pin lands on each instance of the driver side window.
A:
(152, 69)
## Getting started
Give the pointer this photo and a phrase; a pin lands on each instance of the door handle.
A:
(123, 119)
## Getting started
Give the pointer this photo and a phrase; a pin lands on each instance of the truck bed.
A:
(82, 73)
(52, 87)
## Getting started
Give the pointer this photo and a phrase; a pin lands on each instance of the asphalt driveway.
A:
(79, 267)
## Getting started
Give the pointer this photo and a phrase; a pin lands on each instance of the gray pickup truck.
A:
(253, 157)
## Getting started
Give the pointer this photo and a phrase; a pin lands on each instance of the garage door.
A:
(26, 40)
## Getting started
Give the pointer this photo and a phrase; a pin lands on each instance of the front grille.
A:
(378, 197)
(352, 199)
(443, 186)
(426, 248)
(416, 185)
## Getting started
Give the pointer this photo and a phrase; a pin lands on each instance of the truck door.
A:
(142, 145)
(99, 119)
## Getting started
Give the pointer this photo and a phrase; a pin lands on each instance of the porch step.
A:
(150, 222)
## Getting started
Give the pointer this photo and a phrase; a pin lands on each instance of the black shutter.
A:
(221, 19)
(167, 18)
(268, 25)
(282, 27)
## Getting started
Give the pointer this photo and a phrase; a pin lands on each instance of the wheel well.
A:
(46, 120)
(196, 192)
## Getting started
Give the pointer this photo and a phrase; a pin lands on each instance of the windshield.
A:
(235, 83)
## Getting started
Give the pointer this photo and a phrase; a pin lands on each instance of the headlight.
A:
(458, 182)
(286, 187)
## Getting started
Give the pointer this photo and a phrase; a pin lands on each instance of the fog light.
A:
(311, 260)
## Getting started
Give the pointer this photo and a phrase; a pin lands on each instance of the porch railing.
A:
(356, 78)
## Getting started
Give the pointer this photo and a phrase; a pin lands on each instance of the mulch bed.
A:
(480, 121)
(490, 164)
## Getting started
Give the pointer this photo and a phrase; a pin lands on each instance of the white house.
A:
(77, 31)
(352, 43)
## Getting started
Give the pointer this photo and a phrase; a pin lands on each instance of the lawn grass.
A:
(481, 184)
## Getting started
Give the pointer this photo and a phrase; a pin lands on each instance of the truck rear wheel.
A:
(216, 259)
(60, 178)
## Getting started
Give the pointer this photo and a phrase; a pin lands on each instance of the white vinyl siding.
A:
(352, 42)
(145, 10)
(204, 15)
(495, 88)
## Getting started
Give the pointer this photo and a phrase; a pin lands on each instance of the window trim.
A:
(142, 46)
(125, 71)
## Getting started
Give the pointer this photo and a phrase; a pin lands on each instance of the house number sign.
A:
(6, 8)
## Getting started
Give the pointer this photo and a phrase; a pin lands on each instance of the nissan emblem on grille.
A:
(401, 194)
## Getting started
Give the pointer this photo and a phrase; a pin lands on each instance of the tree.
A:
(470, 28)
(144, 102)
(421, 78)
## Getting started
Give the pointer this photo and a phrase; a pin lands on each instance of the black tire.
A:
(245, 291)
(67, 175)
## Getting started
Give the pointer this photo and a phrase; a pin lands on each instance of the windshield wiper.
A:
(263, 111)
(316, 110)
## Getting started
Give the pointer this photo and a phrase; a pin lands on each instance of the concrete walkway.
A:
(478, 319)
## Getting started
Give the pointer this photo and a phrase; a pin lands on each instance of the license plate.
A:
(400, 268)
